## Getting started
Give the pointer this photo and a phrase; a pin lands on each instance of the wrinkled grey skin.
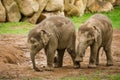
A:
(53, 33)
(96, 32)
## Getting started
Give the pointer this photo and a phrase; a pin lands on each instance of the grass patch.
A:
(15, 27)
(114, 77)
(114, 15)
(95, 76)
(84, 76)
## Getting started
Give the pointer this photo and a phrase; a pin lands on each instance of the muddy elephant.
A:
(96, 32)
(55, 33)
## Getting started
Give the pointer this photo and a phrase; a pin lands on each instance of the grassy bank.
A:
(15, 27)
(24, 27)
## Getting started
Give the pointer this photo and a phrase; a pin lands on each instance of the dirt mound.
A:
(10, 49)
(9, 54)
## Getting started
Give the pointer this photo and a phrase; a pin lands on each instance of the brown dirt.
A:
(15, 63)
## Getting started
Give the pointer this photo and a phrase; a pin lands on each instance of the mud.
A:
(15, 63)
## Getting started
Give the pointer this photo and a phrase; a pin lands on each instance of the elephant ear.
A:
(96, 33)
(45, 36)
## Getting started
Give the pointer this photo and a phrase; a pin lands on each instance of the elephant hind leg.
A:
(58, 61)
(108, 56)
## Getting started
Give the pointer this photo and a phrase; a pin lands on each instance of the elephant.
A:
(55, 33)
(96, 32)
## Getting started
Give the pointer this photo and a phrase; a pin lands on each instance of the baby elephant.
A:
(55, 33)
(96, 32)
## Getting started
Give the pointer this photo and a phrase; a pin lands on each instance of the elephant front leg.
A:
(50, 60)
(32, 55)
(93, 55)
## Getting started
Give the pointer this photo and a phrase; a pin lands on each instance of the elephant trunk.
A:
(80, 52)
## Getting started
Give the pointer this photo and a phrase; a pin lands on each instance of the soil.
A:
(15, 62)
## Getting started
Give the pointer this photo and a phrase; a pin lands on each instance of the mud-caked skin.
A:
(55, 33)
(96, 32)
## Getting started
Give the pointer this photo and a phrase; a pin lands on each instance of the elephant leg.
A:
(97, 58)
(73, 56)
(93, 55)
(32, 55)
(60, 58)
(108, 56)
(50, 60)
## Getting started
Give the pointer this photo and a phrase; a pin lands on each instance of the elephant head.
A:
(87, 35)
(38, 40)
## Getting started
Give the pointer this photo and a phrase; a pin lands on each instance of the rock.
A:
(117, 3)
(106, 7)
(81, 5)
(70, 9)
(111, 1)
(35, 5)
(99, 6)
(36, 15)
(28, 7)
(55, 5)
(90, 2)
(48, 14)
(13, 13)
(92, 5)
(2, 13)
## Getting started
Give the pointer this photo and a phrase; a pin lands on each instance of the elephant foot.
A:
(49, 68)
(91, 66)
(109, 64)
(38, 70)
(57, 65)
(78, 59)
(97, 63)
(77, 65)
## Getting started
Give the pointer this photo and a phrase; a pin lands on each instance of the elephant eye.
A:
(89, 34)
(32, 41)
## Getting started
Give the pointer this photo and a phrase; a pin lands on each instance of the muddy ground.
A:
(15, 63)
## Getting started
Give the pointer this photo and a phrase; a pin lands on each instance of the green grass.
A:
(15, 27)
(114, 15)
(24, 27)
(114, 77)
(96, 76)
